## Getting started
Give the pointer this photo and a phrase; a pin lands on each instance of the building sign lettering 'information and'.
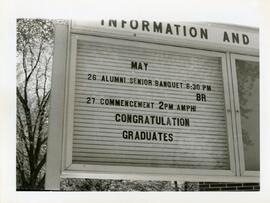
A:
(139, 104)
(178, 31)
(175, 29)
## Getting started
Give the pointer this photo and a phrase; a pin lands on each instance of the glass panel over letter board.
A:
(139, 104)
(248, 91)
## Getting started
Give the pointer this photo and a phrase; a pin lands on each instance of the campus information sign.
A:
(146, 105)
(148, 101)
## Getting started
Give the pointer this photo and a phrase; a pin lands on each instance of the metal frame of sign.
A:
(67, 165)
(234, 57)
(60, 129)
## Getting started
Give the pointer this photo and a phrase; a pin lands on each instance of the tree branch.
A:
(45, 75)
(44, 140)
(27, 113)
(31, 136)
(42, 117)
(37, 61)
(37, 86)
(22, 132)
(38, 168)
(42, 181)
(41, 108)
(24, 62)
(21, 171)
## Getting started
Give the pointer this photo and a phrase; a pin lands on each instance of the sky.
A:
(244, 12)
(252, 13)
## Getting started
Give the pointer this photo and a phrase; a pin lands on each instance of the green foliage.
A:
(31, 32)
(34, 61)
(70, 184)
(116, 185)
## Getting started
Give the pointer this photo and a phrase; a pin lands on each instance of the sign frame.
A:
(234, 57)
(58, 156)
(68, 130)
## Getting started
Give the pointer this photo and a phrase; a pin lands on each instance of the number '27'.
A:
(90, 100)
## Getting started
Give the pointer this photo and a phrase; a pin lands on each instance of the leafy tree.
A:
(34, 61)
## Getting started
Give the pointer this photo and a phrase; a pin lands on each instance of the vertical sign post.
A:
(56, 116)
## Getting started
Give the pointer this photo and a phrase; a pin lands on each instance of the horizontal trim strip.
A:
(182, 159)
(147, 147)
(111, 159)
(116, 137)
(115, 163)
(147, 52)
(77, 148)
